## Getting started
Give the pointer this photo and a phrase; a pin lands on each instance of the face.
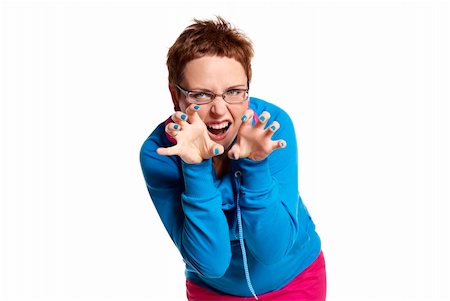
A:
(218, 75)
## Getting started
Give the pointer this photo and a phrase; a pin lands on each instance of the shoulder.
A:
(155, 140)
(287, 128)
(277, 113)
(285, 132)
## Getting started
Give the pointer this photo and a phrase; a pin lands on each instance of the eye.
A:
(234, 92)
(200, 95)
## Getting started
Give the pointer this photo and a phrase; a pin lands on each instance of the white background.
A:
(83, 83)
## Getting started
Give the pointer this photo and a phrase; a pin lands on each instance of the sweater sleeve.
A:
(189, 206)
(269, 198)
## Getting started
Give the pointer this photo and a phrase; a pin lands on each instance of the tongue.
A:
(217, 131)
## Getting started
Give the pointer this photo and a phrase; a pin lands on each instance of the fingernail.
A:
(216, 151)
(183, 116)
(262, 118)
(273, 128)
(244, 118)
(196, 107)
(282, 144)
(176, 126)
(234, 156)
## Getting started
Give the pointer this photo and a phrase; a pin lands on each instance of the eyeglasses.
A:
(231, 96)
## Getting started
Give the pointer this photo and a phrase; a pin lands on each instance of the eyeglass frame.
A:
(187, 93)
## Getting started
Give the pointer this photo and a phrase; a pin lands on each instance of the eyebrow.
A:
(240, 86)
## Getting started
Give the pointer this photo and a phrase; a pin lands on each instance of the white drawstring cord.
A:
(241, 238)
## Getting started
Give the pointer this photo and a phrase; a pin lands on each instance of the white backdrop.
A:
(83, 83)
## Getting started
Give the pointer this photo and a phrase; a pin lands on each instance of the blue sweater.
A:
(259, 200)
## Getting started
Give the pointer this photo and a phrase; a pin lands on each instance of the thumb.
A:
(216, 149)
(234, 152)
(167, 151)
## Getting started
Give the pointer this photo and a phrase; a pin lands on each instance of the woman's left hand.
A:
(255, 141)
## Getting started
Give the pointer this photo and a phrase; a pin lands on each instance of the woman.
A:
(224, 180)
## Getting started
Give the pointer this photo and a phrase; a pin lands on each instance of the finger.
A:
(192, 108)
(247, 117)
(172, 129)
(262, 120)
(216, 150)
(279, 144)
(172, 126)
(191, 111)
(282, 143)
(179, 117)
(234, 151)
(273, 128)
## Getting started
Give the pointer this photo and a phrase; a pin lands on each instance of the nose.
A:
(219, 106)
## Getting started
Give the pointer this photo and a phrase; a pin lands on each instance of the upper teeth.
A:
(219, 126)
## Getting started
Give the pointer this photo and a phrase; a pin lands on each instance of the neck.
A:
(221, 165)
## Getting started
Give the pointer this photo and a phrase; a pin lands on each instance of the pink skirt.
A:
(310, 285)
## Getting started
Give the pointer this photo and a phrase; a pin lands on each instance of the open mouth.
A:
(219, 129)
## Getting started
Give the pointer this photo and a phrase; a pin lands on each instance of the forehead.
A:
(214, 71)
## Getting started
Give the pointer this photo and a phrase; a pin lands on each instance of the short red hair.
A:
(209, 37)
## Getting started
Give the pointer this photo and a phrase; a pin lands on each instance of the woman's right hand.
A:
(193, 142)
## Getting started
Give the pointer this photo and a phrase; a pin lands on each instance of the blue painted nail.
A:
(183, 116)
(176, 126)
(273, 128)
(216, 151)
(244, 118)
(196, 107)
(262, 118)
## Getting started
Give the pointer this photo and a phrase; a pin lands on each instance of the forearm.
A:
(205, 235)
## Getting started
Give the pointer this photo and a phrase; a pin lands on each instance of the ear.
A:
(174, 94)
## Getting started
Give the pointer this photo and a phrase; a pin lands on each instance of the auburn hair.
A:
(209, 38)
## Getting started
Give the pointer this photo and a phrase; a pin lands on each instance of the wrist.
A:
(255, 174)
(198, 178)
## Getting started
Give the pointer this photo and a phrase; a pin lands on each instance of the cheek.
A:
(238, 112)
(202, 113)
(182, 106)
